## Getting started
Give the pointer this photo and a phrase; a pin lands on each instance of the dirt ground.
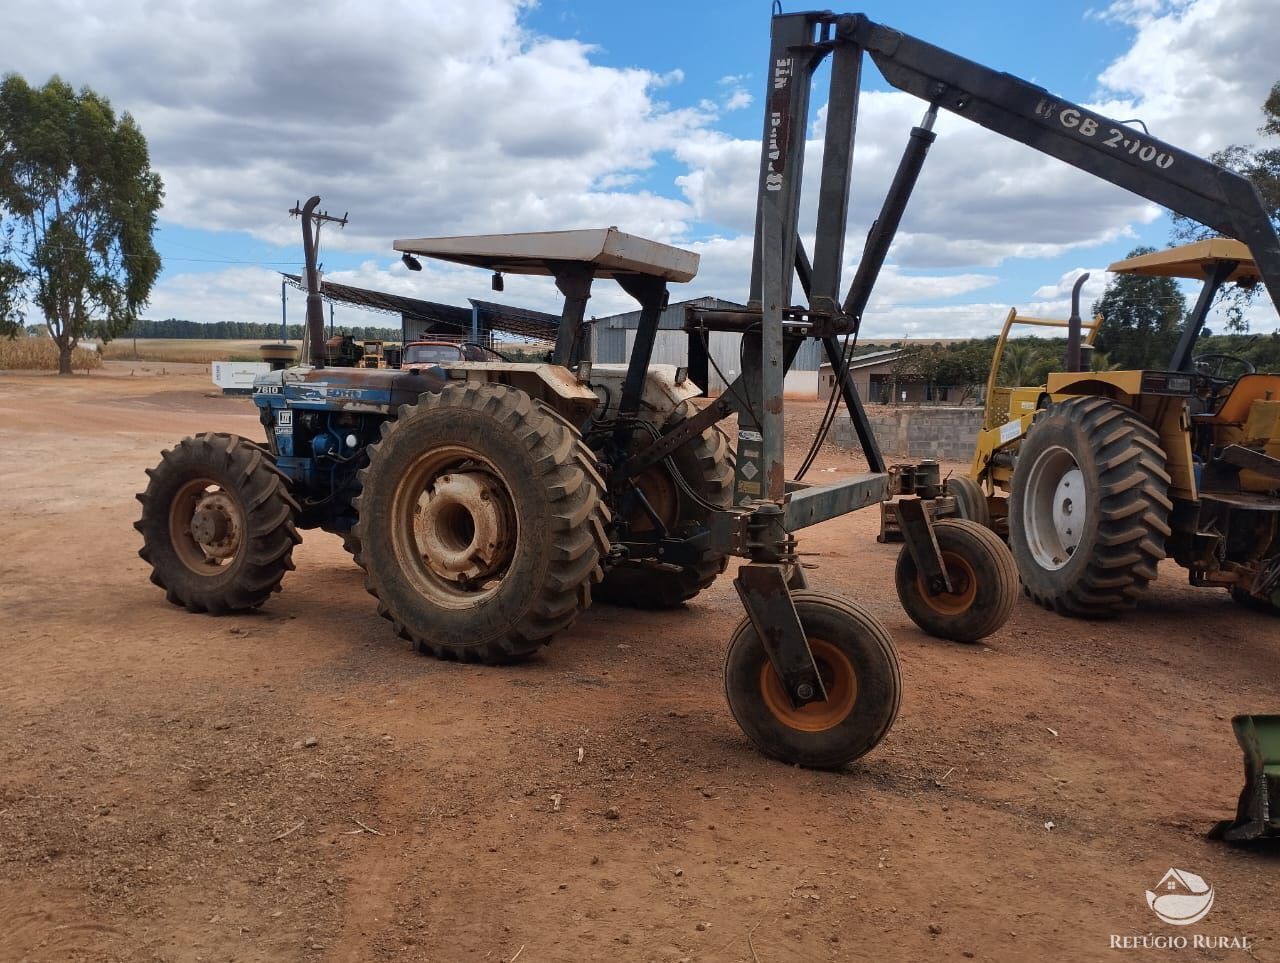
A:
(158, 800)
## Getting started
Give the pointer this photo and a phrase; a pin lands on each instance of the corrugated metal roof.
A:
(872, 359)
(492, 316)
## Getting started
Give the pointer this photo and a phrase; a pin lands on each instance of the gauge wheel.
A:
(859, 669)
(481, 527)
(984, 583)
(971, 500)
(218, 524)
(1089, 508)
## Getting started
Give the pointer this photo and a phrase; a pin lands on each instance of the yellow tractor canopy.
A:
(1195, 261)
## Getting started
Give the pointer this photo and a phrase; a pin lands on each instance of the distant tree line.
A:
(1028, 360)
(177, 328)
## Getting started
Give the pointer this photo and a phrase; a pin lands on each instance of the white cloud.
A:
(1060, 292)
(233, 294)
(418, 117)
(1196, 73)
(428, 117)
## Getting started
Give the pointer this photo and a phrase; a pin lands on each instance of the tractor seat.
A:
(1234, 409)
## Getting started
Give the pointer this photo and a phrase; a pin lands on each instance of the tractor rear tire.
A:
(350, 544)
(971, 500)
(1089, 508)
(481, 526)
(859, 669)
(218, 524)
(984, 583)
(706, 465)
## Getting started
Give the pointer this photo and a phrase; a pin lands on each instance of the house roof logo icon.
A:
(1181, 898)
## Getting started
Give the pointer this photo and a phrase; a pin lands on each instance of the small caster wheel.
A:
(971, 500)
(859, 669)
(984, 583)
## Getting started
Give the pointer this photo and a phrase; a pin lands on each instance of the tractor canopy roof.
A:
(1193, 261)
(610, 251)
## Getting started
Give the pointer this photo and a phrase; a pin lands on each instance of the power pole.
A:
(311, 248)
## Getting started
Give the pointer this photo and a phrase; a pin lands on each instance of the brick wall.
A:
(926, 432)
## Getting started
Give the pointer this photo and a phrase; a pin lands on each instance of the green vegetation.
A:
(961, 364)
(1141, 318)
(1027, 361)
(222, 330)
(78, 203)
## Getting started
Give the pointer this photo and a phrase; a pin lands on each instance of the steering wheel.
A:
(1210, 366)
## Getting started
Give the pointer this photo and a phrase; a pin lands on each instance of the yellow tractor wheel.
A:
(1089, 507)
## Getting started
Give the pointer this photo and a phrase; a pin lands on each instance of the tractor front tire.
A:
(706, 464)
(218, 524)
(481, 527)
(1089, 508)
(984, 583)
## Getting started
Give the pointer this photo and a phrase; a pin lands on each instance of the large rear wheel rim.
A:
(1055, 508)
(839, 679)
(455, 526)
(206, 526)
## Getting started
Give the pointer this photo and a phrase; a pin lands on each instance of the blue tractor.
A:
(472, 493)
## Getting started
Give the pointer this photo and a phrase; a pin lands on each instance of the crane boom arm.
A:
(1173, 178)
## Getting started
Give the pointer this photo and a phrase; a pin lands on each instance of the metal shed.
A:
(613, 337)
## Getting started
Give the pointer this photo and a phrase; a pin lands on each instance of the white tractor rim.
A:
(1054, 508)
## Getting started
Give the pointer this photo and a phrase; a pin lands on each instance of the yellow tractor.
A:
(1099, 475)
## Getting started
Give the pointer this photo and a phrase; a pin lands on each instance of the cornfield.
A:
(41, 354)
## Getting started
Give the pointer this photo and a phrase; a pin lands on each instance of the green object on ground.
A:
(1258, 811)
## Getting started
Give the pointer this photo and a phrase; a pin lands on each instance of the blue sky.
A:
(437, 118)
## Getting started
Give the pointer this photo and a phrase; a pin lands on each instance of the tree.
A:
(78, 203)
(1262, 166)
(1017, 364)
(963, 365)
(1140, 319)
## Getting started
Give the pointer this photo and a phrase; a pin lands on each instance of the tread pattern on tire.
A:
(652, 584)
(351, 545)
(971, 500)
(992, 563)
(270, 513)
(573, 490)
(1134, 511)
(821, 750)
